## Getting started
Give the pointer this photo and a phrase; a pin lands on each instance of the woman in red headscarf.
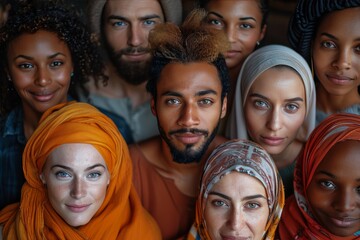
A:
(326, 204)
(78, 182)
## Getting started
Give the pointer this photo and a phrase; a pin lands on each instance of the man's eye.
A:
(172, 101)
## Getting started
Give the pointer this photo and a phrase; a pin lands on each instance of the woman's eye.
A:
(94, 175)
(253, 205)
(246, 26)
(62, 174)
(25, 65)
(292, 107)
(328, 44)
(56, 64)
(219, 203)
(260, 104)
(328, 185)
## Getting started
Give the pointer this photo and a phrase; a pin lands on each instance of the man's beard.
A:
(189, 155)
(133, 72)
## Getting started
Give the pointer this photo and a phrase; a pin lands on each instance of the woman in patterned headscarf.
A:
(275, 106)
(257, 188)
(326, 33)
(42, 214)
(326, 203)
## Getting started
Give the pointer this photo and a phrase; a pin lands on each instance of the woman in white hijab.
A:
(274, 105)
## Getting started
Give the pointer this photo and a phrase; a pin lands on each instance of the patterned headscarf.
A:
(121, 215)
(304, 22)
(242, 156)
(258, 62)
(297, 221)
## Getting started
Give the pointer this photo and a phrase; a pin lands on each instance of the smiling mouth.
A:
(43, 97)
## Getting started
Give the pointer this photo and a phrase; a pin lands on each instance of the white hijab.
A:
(258, 62)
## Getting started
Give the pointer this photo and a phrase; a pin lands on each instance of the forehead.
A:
(40, 41)
(75, 155)
(137, 8)
(347, 21)
(236, 8)
(279, 79)
(343, 157)
(189, 77)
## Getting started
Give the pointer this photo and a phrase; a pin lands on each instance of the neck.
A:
(289, 155)
(117, 87)
(330, 103)
(31, 120)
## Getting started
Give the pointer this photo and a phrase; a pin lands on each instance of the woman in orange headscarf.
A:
(326, 204)
(41, 214)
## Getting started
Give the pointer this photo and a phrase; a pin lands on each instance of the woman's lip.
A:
(339, 80)
(272, 141)
(78, 208)
(43, 97)
(231, 53)
(343, 222)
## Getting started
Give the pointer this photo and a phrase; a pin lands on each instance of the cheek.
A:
(295, 122)
(212, 221)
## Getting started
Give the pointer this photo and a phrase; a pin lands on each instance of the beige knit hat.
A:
(172, 10)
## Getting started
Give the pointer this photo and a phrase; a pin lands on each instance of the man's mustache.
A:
(190, 130)
(132, 50)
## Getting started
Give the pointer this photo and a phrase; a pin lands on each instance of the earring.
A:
(72, 74)
(9, 78)
(257, 43)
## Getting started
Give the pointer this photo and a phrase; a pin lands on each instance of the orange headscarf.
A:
(121, 215)
(297, 221)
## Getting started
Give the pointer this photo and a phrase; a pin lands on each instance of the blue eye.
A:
(149, 22)
(252, 205)
(94, 175)
(261, 104)
(119, 24)
(62, 174)
(292, 107)
(219, 203)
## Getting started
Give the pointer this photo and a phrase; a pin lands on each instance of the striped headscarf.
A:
(246, 157)
(121, 215)
(297, 221)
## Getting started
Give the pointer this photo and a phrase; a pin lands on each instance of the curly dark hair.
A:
(186, 44)
(52, 17)
(263, 5)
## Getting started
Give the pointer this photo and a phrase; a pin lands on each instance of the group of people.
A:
(143, 124)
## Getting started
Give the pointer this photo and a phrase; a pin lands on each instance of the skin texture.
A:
(236, 208)
(241, 21)
(336, 58)
(40, 67)
(276, 100)
(334, 191)
(126, 26)
(76, 178)
(188, 107)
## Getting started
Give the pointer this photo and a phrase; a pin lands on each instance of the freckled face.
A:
(76, 179)
(334, 191)
(188, 108)
(241, 21)
(40, 66)
(275, 109)
(236, 208)
(336, 53)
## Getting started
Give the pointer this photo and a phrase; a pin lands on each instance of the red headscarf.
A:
(121, 215)
(297, 221)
